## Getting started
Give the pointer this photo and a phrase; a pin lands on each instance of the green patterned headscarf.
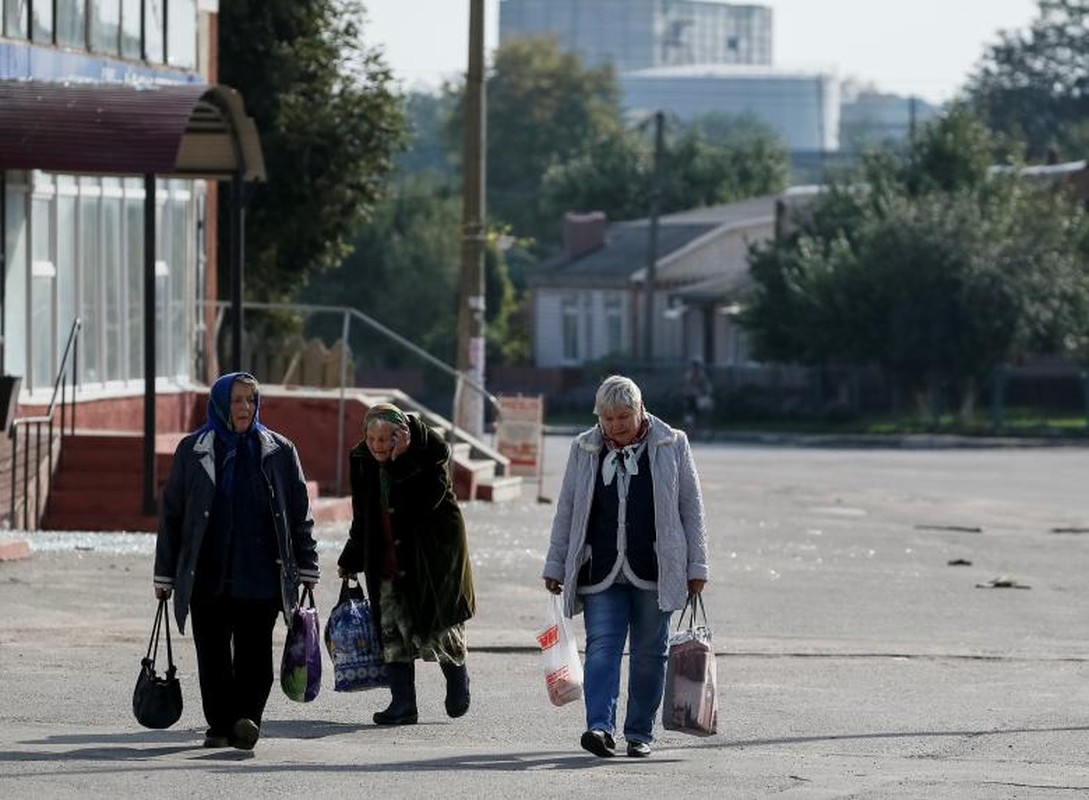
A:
(386, 412)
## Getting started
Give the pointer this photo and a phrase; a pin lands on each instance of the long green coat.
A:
(434, 576)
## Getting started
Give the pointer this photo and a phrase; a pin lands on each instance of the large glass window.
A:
(134, 251)
(106, 26)
(43, 273)
(154, 30)
(113, 307)
(15, 250)
(66, 268)
(178, 353)
(131, 29)
(181, 48)
(90, 302)
(71, 23)
(15, 19)
(42, 24)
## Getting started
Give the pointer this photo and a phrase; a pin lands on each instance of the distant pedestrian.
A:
(628, 545)
(699, 400)
(235, 541)
(408, 538)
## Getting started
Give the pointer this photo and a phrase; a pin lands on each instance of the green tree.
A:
(932, 268)
(404, 271)
(543, 106)
(1031, 85)
(427, 151)
(613, 172)
(330, 125)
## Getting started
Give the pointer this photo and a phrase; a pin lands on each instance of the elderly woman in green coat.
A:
(408, 538)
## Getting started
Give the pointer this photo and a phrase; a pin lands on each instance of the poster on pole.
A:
(519, 433)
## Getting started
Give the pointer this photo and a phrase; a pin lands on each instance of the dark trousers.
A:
(233, 639)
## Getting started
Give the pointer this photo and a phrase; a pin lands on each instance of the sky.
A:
(925, 48)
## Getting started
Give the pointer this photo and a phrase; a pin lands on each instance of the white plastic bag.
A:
(560, 654)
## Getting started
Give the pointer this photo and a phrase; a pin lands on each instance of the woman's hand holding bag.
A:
(690, 702)
(560, 655)
(157, 700)
(300, 667)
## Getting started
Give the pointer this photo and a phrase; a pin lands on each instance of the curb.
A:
(14, 550)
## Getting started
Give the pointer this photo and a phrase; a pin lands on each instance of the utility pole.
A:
(469, 403)
(652, 241)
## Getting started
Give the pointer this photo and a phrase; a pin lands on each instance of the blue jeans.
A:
(610, 617)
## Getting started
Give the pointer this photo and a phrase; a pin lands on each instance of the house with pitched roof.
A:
(589, 300)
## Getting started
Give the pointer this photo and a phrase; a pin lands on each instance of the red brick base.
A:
(14, 549)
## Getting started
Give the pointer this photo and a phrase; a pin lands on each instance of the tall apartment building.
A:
(641, 34)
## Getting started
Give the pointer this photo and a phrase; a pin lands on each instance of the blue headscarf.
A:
(219, 421)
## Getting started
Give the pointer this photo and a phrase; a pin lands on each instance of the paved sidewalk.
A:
(854, 660)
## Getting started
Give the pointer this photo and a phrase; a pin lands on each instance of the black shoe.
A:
(402, 704)
(638, 749)
(600, 743)
(395, 715)
(457, 689)
(244, 734)
(213, 739)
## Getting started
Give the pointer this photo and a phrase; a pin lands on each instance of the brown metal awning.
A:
(183, 130)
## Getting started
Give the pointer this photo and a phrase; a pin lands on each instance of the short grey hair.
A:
(617, 392)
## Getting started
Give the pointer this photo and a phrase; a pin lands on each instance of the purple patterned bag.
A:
(300, 667)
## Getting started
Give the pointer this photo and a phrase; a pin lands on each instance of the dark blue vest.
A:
(602, 534)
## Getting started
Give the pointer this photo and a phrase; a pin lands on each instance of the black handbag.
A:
(157, 699)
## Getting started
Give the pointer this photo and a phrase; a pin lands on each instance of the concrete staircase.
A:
(98, 485)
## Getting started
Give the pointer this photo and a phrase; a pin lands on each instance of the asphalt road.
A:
(853, 659)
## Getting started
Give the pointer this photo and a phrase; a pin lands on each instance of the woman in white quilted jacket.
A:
(628, 546)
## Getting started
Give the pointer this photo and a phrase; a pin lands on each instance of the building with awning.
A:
(114, 137)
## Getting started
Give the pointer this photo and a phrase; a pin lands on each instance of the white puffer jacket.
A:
(681, 539)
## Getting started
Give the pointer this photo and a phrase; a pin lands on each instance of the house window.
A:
(614, 324)
(569, 306)
(131, 29)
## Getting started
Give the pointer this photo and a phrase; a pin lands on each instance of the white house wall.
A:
(593, 320)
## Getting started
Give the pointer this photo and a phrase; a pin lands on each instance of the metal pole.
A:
(339, 449)
(14, 471)
(652, 237)
(469, 413)
(150, 239)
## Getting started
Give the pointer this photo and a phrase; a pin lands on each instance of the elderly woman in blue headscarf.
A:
(235, 541)
(628, 548)
(408, 538)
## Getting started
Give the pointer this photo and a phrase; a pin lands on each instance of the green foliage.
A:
(931, 269)
(543, 105)
(404, 271)
(1030, 85)
(426, 152)
(717, 159)
(330, 124)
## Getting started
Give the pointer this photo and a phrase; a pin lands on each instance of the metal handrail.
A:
(348, 313)
(71, 348)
